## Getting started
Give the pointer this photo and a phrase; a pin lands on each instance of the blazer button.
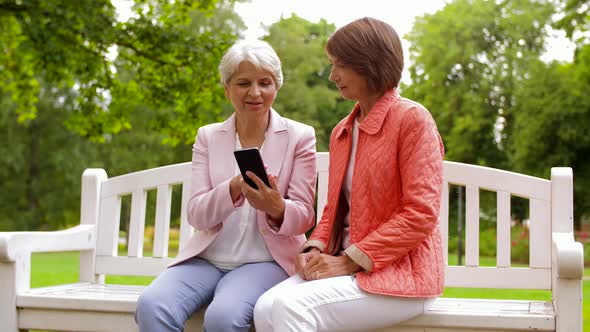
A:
(264, 231)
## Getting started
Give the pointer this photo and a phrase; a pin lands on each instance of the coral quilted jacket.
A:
(395, 202)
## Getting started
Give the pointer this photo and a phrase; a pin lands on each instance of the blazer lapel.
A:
(275, 143)
(222, 164)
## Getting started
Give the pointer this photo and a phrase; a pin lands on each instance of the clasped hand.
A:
(314, 265)
(265, 199)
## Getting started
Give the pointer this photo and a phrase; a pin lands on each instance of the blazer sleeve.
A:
(299, 214)
(207, 206)
(421, 171)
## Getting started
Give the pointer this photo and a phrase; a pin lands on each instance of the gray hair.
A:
(258, 52)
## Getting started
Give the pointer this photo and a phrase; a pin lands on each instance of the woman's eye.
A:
(243, 84)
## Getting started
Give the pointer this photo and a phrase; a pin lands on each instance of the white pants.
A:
(332, 304)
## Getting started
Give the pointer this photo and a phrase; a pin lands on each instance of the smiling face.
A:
(351, 84)
(251, 90)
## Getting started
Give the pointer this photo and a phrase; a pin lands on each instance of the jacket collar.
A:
(275, 144)
(276, 123)
(374, 120)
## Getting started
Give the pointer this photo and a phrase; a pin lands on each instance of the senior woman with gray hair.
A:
(246, 239)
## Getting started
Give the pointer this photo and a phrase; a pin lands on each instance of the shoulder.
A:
(298, 128)
(411, 112)
(208, 129)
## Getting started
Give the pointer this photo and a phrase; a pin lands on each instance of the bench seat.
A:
(115, 304)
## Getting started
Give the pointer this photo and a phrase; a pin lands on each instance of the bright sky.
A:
(399, 13)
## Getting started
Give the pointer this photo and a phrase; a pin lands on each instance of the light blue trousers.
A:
(179, 291)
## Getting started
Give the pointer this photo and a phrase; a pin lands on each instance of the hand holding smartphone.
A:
(250, 160)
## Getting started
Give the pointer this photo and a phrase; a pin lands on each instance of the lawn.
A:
(59, 268)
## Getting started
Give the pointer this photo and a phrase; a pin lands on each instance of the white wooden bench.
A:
(556, 260)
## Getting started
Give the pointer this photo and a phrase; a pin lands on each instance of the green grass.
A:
(58, 268)
(50, 269)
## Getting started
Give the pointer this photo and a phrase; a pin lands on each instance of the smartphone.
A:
(250, 160)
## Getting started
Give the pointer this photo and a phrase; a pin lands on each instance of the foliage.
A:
(41, 168)
(307, 95)
(576, 19)
(467, 59)
(552, 121)
(42, 159)
(171, 49)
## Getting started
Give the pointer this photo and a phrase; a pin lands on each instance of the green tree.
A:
(575, 20)
(172, 48)
(41, 161)
(74, 104)
(467, 59)
(552, 123)
(41, 168)
(307, 94)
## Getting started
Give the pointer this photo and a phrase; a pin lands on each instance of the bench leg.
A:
(568, 305)
(8, 315)
(14, 277)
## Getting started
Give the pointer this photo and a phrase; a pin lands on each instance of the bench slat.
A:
(492, 277)
(162, 223)
(455, 276)
(503, 241)
(540, 234)
(108, 226)
(137, 223)
(148, 179)
(497, 180)
(322, 165)
(186, 230)
(131, 266)
(444, 221)
(472, 226)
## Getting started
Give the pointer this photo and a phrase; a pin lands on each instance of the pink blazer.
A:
(289, 153)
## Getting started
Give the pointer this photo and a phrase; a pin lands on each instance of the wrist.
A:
(351, 265)
(234, 189)
(278, 212)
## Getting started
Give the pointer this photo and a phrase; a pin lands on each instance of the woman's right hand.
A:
(302, 260)
(235, 187)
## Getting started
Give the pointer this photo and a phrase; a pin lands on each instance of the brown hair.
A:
(373, 49)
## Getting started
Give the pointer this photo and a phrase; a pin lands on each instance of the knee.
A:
(147, 304)
(285, 306)
(291, 313)
(263, 313)
(150, 309)
(224, 316)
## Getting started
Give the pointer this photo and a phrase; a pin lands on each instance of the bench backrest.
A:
(474, 178)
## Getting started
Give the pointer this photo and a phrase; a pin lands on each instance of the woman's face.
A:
(351, 84)
(251, 90)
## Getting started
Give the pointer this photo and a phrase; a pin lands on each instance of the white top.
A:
(239, 241)
(347, 185)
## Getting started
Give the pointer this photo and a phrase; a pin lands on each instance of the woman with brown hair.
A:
(375, 258)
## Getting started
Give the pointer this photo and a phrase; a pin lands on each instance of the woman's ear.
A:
(226, 91)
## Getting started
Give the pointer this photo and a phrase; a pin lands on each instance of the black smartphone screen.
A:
(250, 160)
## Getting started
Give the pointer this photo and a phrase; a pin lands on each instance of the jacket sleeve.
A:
(299, 214)
(421, 172)
(208, 206)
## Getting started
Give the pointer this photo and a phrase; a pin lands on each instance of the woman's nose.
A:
(332, 76)
(254, 90)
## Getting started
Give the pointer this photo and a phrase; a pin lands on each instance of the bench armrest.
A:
(14, 244)
(568, 256)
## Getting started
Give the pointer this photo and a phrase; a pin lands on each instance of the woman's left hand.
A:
(264, 199)
(327, 266)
